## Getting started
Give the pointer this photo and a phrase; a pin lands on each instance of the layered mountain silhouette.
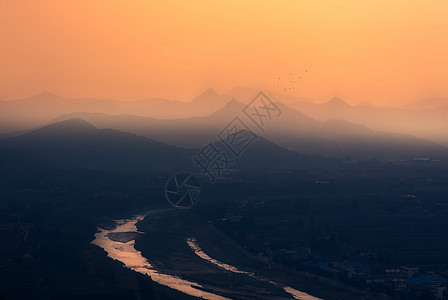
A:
(425, 118)
(28, 113)
(334, 128)
(75, 144)
(429, 103)
(292, 130)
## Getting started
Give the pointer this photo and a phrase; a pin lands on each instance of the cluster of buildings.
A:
(406, 279)
(409, 279)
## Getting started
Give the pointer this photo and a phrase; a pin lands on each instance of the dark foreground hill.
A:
(77, 144)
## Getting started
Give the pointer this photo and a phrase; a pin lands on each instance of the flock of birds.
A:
(290, 82)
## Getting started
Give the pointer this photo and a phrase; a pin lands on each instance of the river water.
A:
(122, 249)
(192, 242)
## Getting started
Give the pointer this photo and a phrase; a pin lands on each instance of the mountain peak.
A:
(230, 109)
(46, 95)
(232, 104)
(337, 101)
(209, 93)
(75, 122)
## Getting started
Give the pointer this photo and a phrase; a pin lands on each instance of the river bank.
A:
(165, 242)
(119, 243)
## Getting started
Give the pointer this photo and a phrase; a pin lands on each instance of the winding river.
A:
(119, 245)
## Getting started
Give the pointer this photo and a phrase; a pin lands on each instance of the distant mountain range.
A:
(31, 112)
(426, 118)
(331, 129)
(430, 103)
(292, 130)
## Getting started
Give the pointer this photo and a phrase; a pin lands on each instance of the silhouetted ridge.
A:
(231, 109)
(75, 143)
(71, 126)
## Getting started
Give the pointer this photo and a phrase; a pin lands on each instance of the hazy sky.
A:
(383, 51)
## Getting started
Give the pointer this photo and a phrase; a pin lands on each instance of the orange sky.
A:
(383, 51)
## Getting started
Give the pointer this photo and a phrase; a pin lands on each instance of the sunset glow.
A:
(385, 52)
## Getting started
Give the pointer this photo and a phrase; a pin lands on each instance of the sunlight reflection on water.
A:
(134, 260)
(192, 242)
